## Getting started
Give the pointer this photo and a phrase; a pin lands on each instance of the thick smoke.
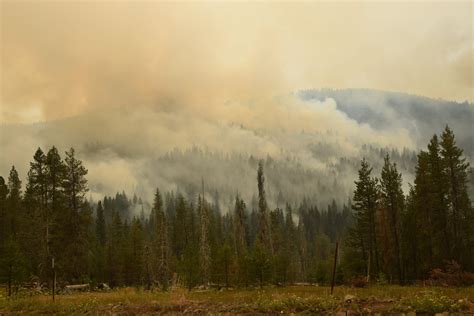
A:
(134, 87)
(61, 58)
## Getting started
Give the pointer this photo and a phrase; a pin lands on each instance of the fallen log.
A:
(76, 287)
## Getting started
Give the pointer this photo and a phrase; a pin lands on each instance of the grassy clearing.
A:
(292, 299)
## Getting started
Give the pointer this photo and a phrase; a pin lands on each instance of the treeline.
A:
(187, 241)
(404, 237)
(50, 219)
(190, 241)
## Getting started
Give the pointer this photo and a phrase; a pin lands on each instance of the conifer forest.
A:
(384, 232)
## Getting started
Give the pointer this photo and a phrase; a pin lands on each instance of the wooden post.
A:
(54, 278)
(334, 268)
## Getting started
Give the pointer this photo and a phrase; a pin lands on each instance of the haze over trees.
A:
(192, 240)
(311, 143)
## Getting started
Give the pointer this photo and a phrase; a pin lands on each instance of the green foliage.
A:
(100, 226)
(362, 237)
(261, 264)
(269, 300)
(184, 239)
(429, 303)
(189, 266)
(298, 304)
(13, 264)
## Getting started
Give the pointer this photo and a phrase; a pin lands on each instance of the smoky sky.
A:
(60, 58)
(127, 82)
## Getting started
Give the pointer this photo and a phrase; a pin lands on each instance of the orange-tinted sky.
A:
(62, 58)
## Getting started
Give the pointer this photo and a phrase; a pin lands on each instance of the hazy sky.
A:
(62, 58)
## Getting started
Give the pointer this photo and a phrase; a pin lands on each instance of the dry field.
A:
(270, 300)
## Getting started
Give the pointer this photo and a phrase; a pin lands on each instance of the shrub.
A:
(451, 276)
(359, 281)
(382, 279)
(430, 304)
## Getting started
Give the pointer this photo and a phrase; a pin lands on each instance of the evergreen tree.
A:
(200, 244)
(12, 264)
(161, 241)
(100, 227)
(429, 253)
(281, 260)
(455, 168)
(75, 183)
(204, 247)
(115, 251)
(13, 201)
(291, 246)
(410, 238)
(101, 240)
(263, 246)
(392, 201)
(362, 236)
(3, 212)
(265, 234)
(76, 219)
(35, 217)
(135, 261)
(55, 232)
(240, 241)
(438, 198)
(12, 261)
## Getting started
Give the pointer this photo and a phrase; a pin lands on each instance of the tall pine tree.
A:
(392, 201)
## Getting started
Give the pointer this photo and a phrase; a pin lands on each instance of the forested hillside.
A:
(390, 110)
(313, 147)
(190, 238)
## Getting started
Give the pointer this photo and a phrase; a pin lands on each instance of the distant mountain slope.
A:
(422, 116)
(312, 149)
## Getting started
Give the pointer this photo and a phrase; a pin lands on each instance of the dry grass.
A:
(291, 299)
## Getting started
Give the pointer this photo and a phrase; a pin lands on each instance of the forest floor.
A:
(269, 300)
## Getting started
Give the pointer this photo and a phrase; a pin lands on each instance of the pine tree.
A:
(281, 259)
(363, 235)
(161, 241)
(13, 201)
(181, 227)
(13, 265)
(240, 241)
(392, 200)
(438, 197)
(265, 234)
(76, 219)
(262, 255)
(36, 210)
(291, 245)
(239, 227)
(428, 252)
(137, 246)
(410, 238)
(37, 178)
(455, 168)
(55, 176)
(101, 239)
(100, 227)
(3, 213)
(75, 183)
(115, 251)
(12, 261)
(204, 247)
(54, 233)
